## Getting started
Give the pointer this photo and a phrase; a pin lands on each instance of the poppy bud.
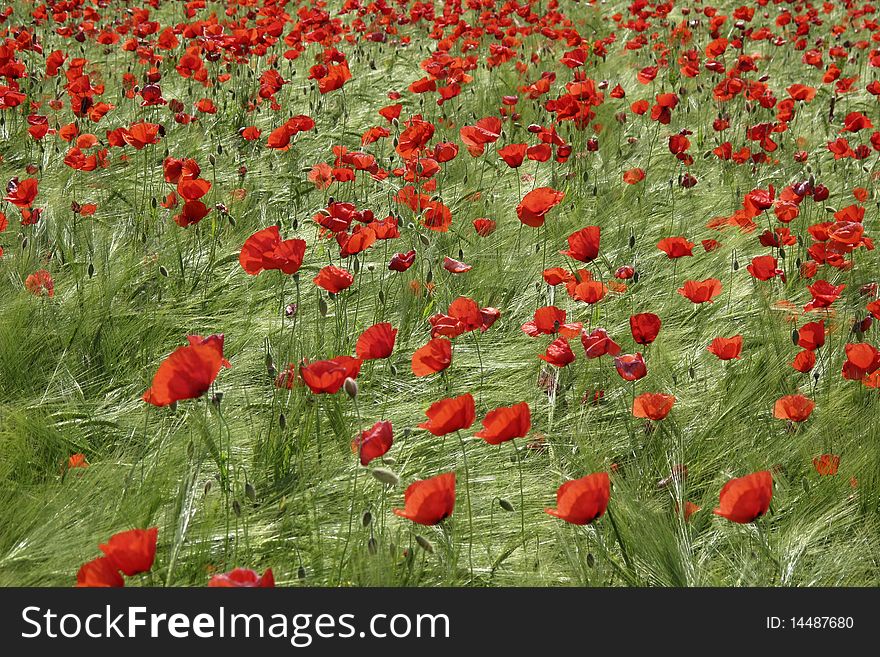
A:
(795, 336)
(91, 270)
(351, 387)
(301, 572)
(282, 421)
(381, 296)
(632, 240)
(322, 306)
(207, 486)
(212, 159)
(217, 398)
(366, 519)
(424, 240)
(386, 476)
(250, 492)
(236, 508)
(591, 560)
(781, 253)
(425, 544)
(372, 545)
(504, 504)
(430, 276)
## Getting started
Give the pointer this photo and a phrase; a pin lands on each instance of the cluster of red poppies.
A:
(668, 52)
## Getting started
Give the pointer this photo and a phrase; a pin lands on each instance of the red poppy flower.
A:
(726, 348)
(644, 327)
(536, 204)
(454, 266)
(583, 245)
(333, 279)
(826, 464)
(100, 572)
(549, 320)
(701, 291)
(133, 551)
(22, 193)
(811, 336)
(192, 212)
(862, 359)
(598, 343)
(824, 294)
(77, 461)
(376, 342)
(805, 361)
(652, 405)
(484, 227)
(429, 501)
(434, 357)
(506, 423)
(193, 189)
(689, 510)
(373, 442)
(796, 408)
(764, 268)
(746, 499)
(188, 372)
(402, 261)
(676, 247)
(243, 578)
(475, 137)
(39, 283)
(558, 353)
(630, 367)
(141, 135)
(581, 501)
(513, 154)
(450, 414)
(327, 376)
(633, 176)
(588, 291)
(266, 250)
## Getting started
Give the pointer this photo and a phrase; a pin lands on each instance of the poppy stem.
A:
(620, 541)
(350, 516)
(765, 543)
(522, 511)
(467, 495)
(480, 358)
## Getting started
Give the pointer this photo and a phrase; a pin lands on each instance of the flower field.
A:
(452, 293)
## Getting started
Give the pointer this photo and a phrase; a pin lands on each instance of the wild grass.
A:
(73, 367)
